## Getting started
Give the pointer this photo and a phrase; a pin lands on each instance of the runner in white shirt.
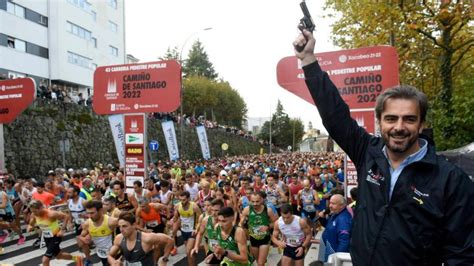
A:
(76, 207)
(192, 187)
(296, 237)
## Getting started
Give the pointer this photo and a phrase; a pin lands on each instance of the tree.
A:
(433, 40)
(216, 100)
(285, 131)
(171, 54)
(198, 63)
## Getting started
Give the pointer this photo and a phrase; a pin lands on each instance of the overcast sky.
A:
(247, 40)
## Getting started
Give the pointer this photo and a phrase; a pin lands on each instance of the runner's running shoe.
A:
(4, 236)
(21, 240)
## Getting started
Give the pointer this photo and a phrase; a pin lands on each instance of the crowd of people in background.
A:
(193, 121)
(280, 201)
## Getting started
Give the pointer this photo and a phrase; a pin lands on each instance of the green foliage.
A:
(85, 118)
(434, 42)
(171, 54)
(285, 131)
(61, 126)
(77, 130)
(198, 63)
(214, 99)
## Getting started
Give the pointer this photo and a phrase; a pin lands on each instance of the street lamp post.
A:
(181, 126)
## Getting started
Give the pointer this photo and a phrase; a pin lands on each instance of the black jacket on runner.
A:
(430, 216)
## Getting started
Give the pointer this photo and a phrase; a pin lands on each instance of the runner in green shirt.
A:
(207, 228)
(232, 247)
(260, 221)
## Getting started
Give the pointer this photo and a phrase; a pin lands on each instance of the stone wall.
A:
(32, 140)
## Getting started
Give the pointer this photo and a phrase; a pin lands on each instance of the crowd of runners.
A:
(219, 205)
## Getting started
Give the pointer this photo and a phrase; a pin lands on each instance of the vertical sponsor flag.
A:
(171, 142)
(135, 147)
(116, 124)
(201, 132)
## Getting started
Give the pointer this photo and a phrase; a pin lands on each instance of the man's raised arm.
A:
(332, 108)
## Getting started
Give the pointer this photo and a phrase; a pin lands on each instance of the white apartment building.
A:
(61, 41)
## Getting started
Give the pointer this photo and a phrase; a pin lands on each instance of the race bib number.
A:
(187, 226)
(273, 200)
(292, 240)
(309, 208)
(213, 242)
(257, 231)
(47, 232)
(152, 223)
(133, 263)
(102, 253)
(2, 212)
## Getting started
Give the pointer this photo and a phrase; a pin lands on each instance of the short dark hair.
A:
(402, 92)
(10, 181)
(164, 183)
(40, 184)
(185, 194)
(120, 183)
(353, 193)
(128, 217)
(76, 189)
(167, 176)
(138, 183)
(286, 208)
(260, 193)
(93, 204)
(226, 212)
(218, 202)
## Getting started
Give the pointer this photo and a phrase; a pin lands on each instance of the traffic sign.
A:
(137, 88)
(154, 145)
(15, 96)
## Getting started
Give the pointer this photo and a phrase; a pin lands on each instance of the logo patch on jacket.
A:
(374, 178)
(419, 195)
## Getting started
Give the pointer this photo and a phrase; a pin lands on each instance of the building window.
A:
(43, 20)
(15, 75)
(94, 42)
(20, 45)
(79, 31)
(113, 4)
(113, 27)
(82, 4)
(11, 42)
(15, 9)
(94, 15)
(113, 50)
(16, 44)
(79, 60)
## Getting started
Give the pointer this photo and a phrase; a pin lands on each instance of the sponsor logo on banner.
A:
(135, 150)
(202, 136)
(137, 88)
(134, 138)
(171, 142)
(117, 127)
(15, 96)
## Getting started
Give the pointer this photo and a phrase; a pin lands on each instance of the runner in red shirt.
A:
(294, 188)
(41, 195)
